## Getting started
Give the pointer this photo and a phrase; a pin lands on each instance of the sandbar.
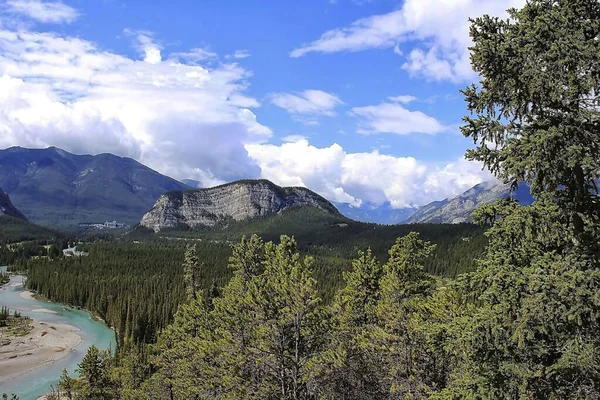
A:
(44, 345)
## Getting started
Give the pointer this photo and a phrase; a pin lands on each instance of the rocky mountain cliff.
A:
(234, 201)
(460, 208)
(7, 208)
(55, 188)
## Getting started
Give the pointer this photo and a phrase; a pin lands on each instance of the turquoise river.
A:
(33, 384)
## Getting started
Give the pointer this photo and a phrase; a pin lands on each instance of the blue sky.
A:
(356, 99)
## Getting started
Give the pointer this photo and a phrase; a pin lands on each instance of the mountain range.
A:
(460, 208)
(448, 211)
(55, 188)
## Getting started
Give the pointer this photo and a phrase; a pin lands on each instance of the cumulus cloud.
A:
(392, 117)
(307, 105)
(183, 119)
(364, 178)
(146, 45)
(53, 12)
(186, 119)
(438, 30)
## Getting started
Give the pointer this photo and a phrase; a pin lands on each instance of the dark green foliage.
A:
(94, 370)
(134, 287)
(260, 341)
(4, 314)
(334, 240)
(532, 310)
(191, 272)
(14, 230)
(536, 108)
(67, 385)
(534, 331)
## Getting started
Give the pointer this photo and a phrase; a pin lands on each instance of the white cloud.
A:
(239, 54)
(310, 102)
(195, 55)
(146, 45)
(51, 11)
(395, 118)
(193, 121)
(185, 120)
(307, 105)
(438, 29)
(404, 99)
(364, 178)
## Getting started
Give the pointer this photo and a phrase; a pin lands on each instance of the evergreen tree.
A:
(293, 323)
(355, 304)
(260, 340)
(191, 272)
(351, 371)
(404, 286)
(67, 385)
(533, 333)
(536, 115)
(95, 372)
(53, 252)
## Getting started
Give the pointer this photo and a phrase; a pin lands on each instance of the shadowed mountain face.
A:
(7, 208)
(460, 208)
(56, 188)
(234, 201)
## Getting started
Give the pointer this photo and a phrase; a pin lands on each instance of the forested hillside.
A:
(136, 283)
(17, 230)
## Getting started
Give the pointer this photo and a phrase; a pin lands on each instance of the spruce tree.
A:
(533, 332)
(534, 114)
(191, 272)
(351, 369)
(94, 370)
(404, 286)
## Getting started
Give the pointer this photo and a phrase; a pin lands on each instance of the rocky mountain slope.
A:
(7, 208)
(460, 208)
(234, 201)
(56, 188)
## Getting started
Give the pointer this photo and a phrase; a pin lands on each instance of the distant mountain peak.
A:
(57, 188)
(460, 208)
(236, 201)
(379, 214)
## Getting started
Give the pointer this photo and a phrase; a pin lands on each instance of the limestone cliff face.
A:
(234, 201)
(460, 208)
(7, 208)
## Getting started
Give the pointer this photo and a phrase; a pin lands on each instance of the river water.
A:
(36, 383)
